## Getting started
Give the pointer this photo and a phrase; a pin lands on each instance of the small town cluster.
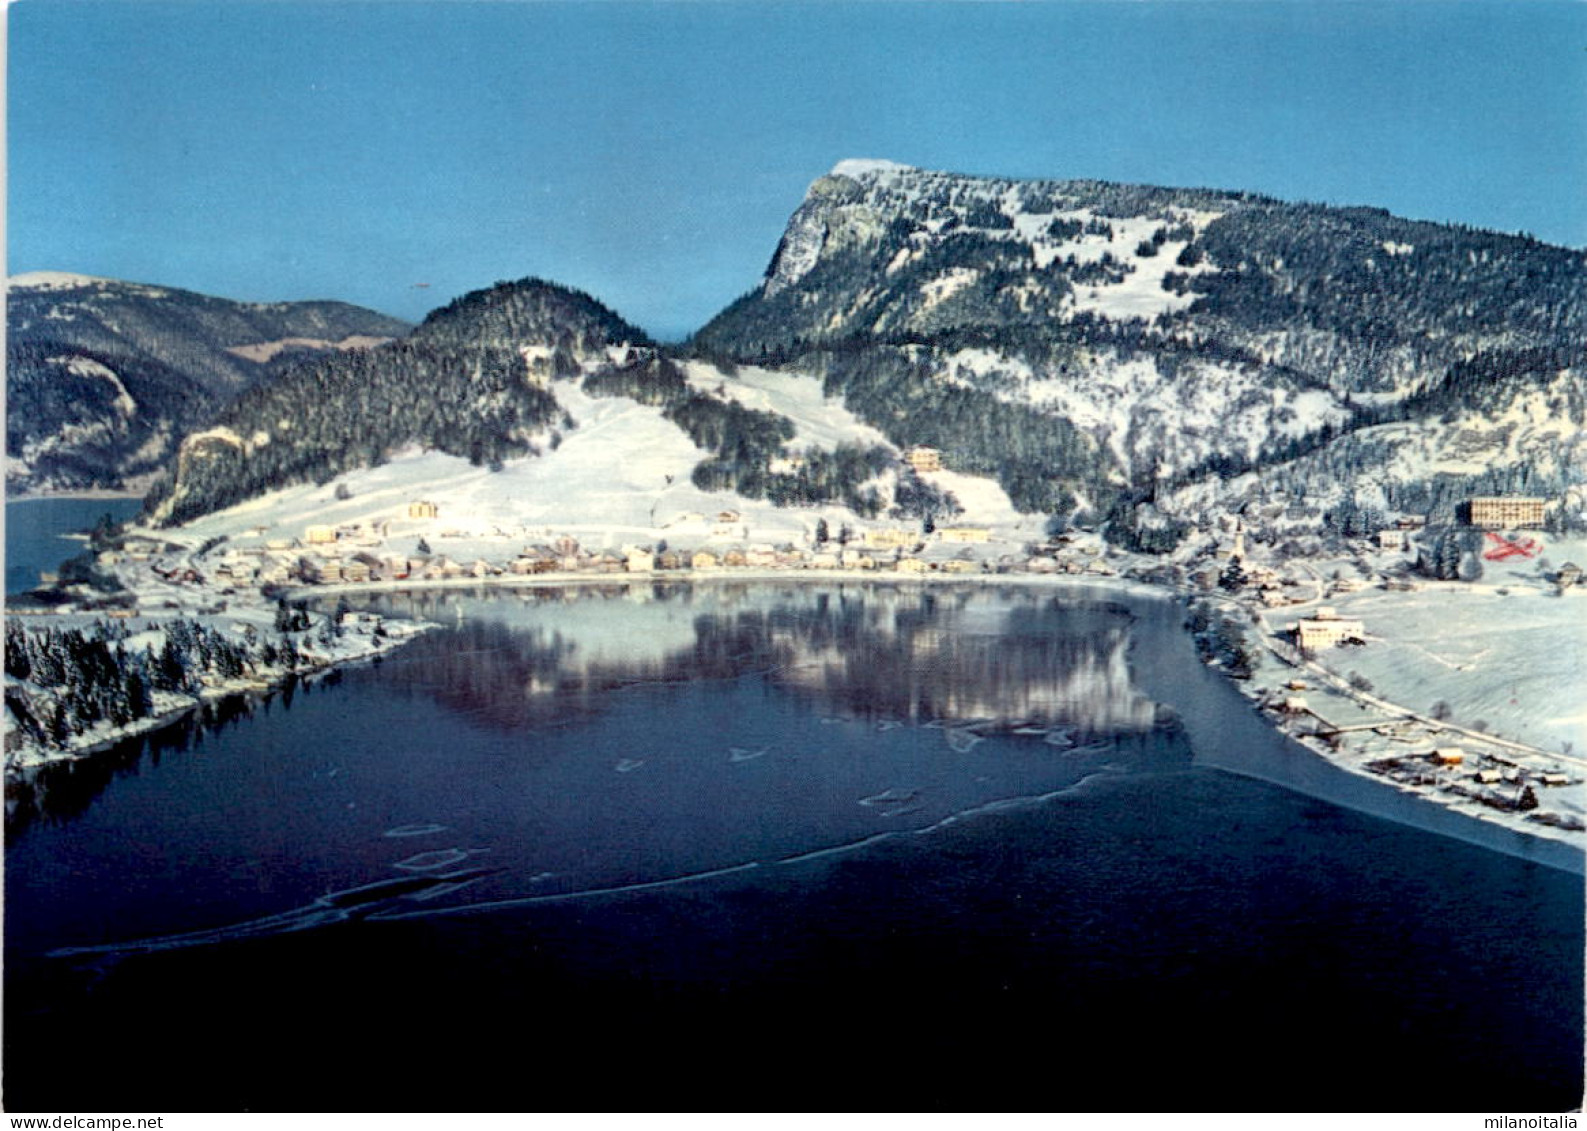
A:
(1339, 716)
(1294, 671)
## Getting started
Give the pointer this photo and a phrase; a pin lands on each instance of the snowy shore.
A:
(1558, 818)
(23, 754)
(1430, 651)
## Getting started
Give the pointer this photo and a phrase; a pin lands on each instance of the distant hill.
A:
(472, 380)
(103, 377)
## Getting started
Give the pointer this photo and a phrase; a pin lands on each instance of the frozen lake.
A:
(681, 827)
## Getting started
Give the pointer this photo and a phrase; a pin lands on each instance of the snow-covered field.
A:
(621, 477)
(1505, 659)
(817, 421)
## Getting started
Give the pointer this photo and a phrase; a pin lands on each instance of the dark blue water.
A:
(36, 529)
(939, 847)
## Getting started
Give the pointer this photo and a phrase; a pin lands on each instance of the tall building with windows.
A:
(1505, 512)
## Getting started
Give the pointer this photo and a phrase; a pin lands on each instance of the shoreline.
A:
(1439, 809)
(690, 577)
(86, 494)
(33, 759)
(1479, 825)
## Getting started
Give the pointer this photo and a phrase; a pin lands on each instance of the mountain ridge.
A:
(1124, 356)
(1143, 317)
(103, 376)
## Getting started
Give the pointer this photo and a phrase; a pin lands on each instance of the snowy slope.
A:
(620, 476)
(818, 421)
(1535, 432)
(1152, 422)
(1499, 655)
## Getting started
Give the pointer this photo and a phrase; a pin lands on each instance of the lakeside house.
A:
(1326, 630)
(423, 508)
(322, 571)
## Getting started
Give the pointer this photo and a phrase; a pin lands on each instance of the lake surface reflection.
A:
(699, 814)
(552, 742)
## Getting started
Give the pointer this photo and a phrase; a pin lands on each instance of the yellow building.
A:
(421, 508)
(922, 458)
(964, 534)
(319, 535)
(889, 537)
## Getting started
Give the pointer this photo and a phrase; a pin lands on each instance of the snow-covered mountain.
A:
(103, 377)
(1083, 340)
(1134, 357)
(574, 416)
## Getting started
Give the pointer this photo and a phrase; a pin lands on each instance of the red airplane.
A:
(1504, 548)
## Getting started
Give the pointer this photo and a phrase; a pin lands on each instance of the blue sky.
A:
(651, 153)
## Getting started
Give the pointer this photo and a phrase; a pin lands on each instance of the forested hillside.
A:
(1119, 355)
(1090, 344)
(473, 380)
(103, 377)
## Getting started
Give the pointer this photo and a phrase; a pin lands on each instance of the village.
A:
(1308, 619)
(1304, 681)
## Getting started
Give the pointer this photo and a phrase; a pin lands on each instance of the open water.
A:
(908, 848)
(37, 534)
